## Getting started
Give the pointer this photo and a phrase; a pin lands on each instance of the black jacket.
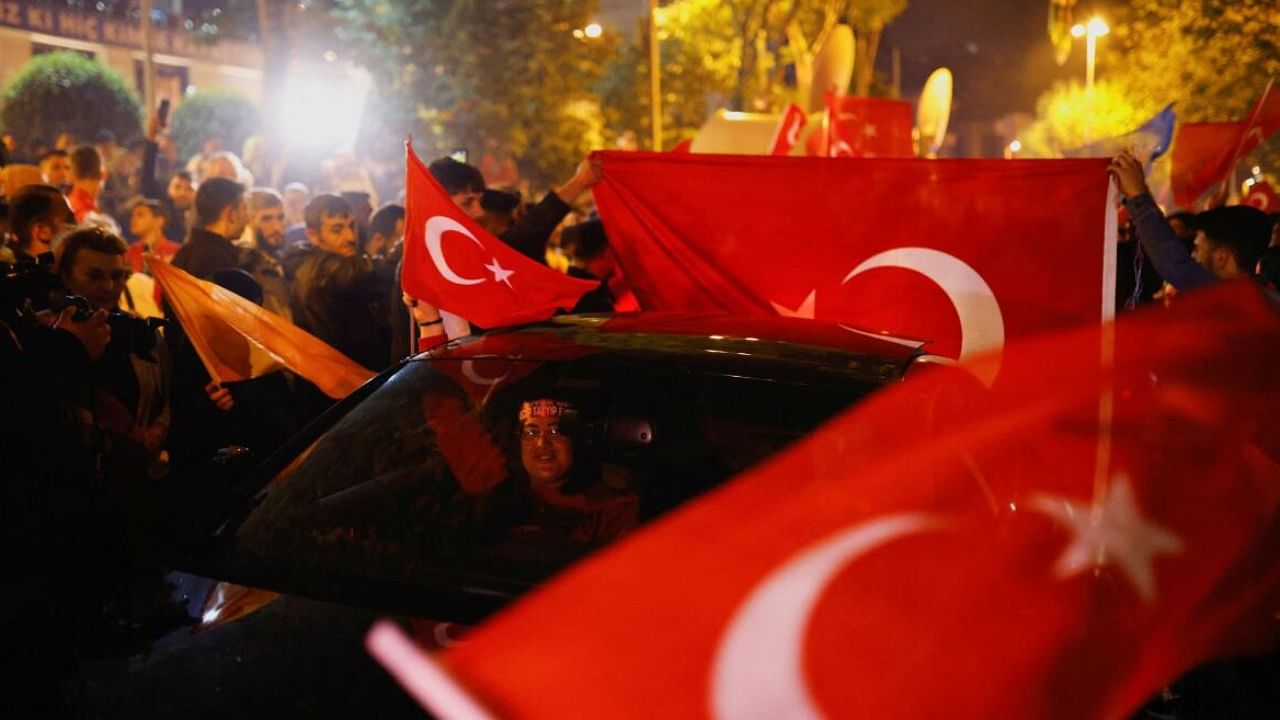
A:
(206, 253)
(342, 301)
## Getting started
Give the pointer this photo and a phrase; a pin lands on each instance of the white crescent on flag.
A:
(436, 227)
(981, 321)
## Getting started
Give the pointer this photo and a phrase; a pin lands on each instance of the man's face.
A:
(268, 225)
(547, 455)
(469, 201)
(182, 193)
(43, 233)
(142, 222)
(57, 171)
(337, 234)
(1205, 253)
(99, 277)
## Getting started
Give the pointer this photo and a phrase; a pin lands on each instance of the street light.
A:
(593, 30)
(1095, 29)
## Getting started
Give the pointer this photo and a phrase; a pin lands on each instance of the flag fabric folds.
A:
(1205, 153)
(1062, 546)
(238, 340)
(963, 253)
(790, 123)
(454, 264)
(868, 127)
(1148, 142)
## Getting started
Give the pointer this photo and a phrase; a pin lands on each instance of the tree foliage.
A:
(744, 55)
(1210, 57)
(471, 73)
(1068, 115)
(66, 92)
(214, 112)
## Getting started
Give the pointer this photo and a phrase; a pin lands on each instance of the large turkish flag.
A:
(1061, 546)
(962, 253)
(456, 265)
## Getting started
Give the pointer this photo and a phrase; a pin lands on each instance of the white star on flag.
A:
(1112, 533)
(500, 274)
(804, 311)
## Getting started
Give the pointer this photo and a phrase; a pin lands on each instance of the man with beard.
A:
(262, 246)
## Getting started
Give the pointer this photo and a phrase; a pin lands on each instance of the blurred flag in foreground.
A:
(1063, 545)
(456, 265)
(238, 340)
(1148, 142)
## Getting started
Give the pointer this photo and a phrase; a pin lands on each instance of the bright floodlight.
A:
(322, 106)
(1015, 146)
(1077, 30)
(1098, 28)
(593, 30)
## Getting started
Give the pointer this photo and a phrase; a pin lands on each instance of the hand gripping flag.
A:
(963, 253)
(454, 264)
(238, 340)
(1063, 546)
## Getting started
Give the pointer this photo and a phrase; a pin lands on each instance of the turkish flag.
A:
(868, 127)
(1203, 154)
(1262, 196)
(962, 253)
(1062, 546)
(787, 135)
(454, 264)
(1261, 123)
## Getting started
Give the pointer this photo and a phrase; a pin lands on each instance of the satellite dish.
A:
(934, 111)
(832, 68)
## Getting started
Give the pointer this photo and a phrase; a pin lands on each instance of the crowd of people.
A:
(104, 393)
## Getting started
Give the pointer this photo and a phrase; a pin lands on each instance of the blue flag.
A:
(1148, 142)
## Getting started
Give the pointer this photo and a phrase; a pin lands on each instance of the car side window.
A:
(513, 469)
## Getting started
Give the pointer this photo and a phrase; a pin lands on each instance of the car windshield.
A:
(509, 470)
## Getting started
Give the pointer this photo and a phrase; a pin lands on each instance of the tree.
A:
(748, 55)
(1210, 57)
(66, 92)
(506, 73)
(1068, 115)
(214, 112)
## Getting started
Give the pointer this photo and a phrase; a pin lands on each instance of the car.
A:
(434, 494)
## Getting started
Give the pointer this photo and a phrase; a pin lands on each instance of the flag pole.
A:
(655, 79)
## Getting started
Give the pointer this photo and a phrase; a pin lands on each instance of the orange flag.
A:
(238, 340)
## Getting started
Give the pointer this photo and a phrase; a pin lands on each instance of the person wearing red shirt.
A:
(87, 179)
(147, 221)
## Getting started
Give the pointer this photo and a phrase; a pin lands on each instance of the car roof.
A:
(775, 339)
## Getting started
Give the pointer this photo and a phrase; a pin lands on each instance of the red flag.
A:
(868, 127)
(964, 253)
(1202, 156)
(682, 146)
(1262, 196)
(1043, 550)
(1263, 120)
(454, 264)
(788, 133)
(1205, 153)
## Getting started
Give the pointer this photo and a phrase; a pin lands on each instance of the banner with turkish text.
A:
(961, 253)
(239, 340)
(456, 265)
(1040, 549)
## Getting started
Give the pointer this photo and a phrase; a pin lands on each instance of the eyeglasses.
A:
(531, 433)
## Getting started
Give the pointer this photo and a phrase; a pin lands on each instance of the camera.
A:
(30, 288)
